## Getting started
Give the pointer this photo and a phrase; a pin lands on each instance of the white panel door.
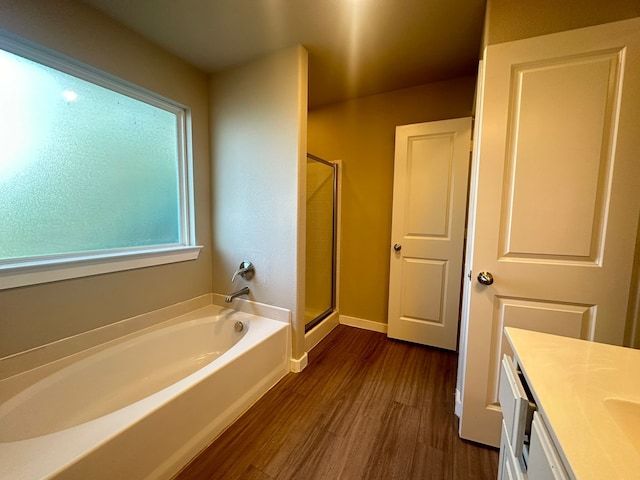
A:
(429, 206)
(557, 200)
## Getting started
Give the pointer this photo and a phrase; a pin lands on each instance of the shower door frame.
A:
(334, 247)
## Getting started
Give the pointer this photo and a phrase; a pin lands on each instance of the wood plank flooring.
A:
(366, 407)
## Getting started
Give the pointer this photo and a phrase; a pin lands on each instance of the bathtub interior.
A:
(32, 366)
(121, 375)
(56, 444)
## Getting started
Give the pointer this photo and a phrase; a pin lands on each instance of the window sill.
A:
(51, 270)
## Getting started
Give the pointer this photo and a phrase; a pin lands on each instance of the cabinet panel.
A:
(544, 461)
(509, 466)
(515, 405)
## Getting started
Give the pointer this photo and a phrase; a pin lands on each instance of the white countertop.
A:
(585, 391)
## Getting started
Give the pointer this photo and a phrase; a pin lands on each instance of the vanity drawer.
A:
(517, 410)
(509, 467)
(544, 460)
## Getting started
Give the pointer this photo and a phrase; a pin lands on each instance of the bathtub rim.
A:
(19, 370)
(20, 362)
(98, 356)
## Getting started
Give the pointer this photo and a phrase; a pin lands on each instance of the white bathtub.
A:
(143, 406)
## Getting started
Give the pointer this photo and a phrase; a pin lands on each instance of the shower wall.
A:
(258, 149)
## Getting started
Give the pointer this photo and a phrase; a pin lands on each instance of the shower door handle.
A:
(397, 247)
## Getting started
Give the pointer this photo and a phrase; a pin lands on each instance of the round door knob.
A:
(397, 247)
(485, 278)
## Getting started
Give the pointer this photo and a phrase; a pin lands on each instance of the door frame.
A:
(472, 198)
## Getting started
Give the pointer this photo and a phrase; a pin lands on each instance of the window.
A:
(94, 171)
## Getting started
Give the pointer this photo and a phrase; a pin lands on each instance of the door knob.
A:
(397, 247)
(485, 278)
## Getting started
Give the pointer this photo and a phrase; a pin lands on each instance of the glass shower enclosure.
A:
(322, 192)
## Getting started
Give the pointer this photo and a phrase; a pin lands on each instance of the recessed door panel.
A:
(428, 176)
(562, 114)
(423, 287)
(567, 320)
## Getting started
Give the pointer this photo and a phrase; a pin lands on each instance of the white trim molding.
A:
(457, 409)
(314, 336)
(299, 364)
(52, 270)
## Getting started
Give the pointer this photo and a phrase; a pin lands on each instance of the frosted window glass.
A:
(82, 167)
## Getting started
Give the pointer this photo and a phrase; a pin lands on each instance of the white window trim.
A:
(51, 270)
(37, 270)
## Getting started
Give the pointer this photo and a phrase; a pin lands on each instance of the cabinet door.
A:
(514, 404)
(544, 460)
(508, 467)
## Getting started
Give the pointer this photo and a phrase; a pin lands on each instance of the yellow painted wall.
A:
(361, 133)
(36, 315)
(508, 20)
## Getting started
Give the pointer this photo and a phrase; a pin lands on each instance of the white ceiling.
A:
(356, 47)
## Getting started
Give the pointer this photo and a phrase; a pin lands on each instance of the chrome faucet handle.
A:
(245, 270)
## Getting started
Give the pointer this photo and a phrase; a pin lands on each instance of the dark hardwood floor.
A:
(366, 407)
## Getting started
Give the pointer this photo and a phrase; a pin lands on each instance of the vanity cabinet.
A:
(509, 467)
(570, 407)
(544, 460)
(526, 448)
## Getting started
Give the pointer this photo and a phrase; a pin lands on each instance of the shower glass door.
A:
(321, 240)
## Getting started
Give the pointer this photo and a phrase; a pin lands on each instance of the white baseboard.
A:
(317, 333)
(299, 364)
(362, 323)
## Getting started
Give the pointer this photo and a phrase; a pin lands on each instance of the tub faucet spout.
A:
(242, 291)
